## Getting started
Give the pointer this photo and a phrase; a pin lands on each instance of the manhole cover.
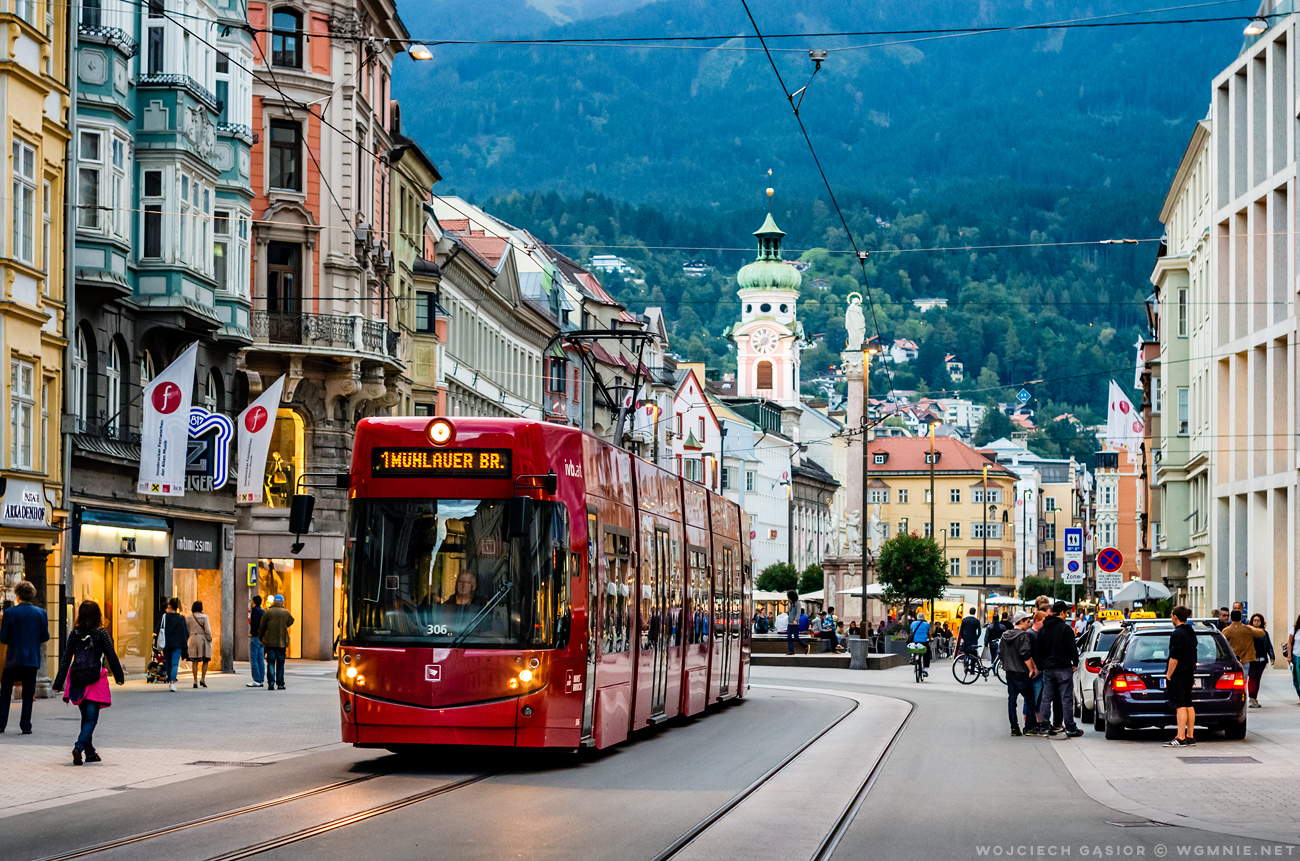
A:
(219, 764)
(1219, 760)
(1145, 823)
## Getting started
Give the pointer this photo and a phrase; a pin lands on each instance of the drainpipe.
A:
(70, 309)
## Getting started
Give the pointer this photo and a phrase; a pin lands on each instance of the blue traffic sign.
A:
(1023, 396)
(1074, 539)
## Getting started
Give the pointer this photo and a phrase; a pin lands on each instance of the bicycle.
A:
(968, 667)
(918, 660)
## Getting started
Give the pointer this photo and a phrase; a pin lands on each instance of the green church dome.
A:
(769, 271)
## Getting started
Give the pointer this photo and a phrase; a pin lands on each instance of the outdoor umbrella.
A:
(1141, 590)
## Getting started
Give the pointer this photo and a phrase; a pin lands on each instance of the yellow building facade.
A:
(974, 506)
(35, 100)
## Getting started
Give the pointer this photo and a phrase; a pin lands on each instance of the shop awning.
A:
(124, 519)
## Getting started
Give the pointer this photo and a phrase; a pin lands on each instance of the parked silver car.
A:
(1096, 643)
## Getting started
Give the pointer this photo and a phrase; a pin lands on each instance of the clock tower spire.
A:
(767, 336)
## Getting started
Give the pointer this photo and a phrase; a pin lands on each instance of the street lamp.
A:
(1055, 511)
(417, 51)
(1024, 532)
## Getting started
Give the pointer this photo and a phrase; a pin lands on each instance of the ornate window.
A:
(113, 374)
(286, 39)
(764, 378)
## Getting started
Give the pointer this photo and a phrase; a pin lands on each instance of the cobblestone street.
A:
(151, 736)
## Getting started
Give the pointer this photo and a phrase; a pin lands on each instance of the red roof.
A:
(455, 225)
(907, 454)
(490, 248)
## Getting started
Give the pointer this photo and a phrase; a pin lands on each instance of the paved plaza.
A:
(151, 736)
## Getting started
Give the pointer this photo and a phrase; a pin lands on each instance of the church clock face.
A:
(763, 341)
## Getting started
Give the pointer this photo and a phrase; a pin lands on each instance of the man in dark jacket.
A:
(969, 633)
(23, 629)
(1060, 655)
(256, 654)
(173, 639)
(274, 634)
(1016, 650)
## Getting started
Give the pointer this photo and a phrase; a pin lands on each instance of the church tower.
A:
(767, 336)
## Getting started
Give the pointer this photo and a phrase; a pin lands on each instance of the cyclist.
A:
(921, 634)
(968, 635)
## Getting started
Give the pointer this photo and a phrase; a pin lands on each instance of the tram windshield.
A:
(442, 573)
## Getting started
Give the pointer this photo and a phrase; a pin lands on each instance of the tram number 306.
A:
(435, 630)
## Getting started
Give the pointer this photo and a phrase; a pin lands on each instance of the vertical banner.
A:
(165, 431)
(256, 424)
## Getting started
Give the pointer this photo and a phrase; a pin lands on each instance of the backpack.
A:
(86, 665)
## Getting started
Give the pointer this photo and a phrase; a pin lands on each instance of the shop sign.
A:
(196, 545)
(23, 505)
(207, 458)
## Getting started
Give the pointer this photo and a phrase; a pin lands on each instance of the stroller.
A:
(156, 671)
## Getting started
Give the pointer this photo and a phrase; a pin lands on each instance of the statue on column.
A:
(855, 323)
(854, 534)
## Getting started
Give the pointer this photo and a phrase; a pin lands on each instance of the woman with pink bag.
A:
(82, 668)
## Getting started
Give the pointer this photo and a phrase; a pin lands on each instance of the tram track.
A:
(826, 848)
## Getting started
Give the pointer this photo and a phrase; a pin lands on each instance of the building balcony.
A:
(238, 130)
(328, 333)
(179, 82)
(112, 36)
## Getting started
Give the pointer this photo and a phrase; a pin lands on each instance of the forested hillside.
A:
(932, 141)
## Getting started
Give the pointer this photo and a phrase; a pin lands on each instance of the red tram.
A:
(519, 583)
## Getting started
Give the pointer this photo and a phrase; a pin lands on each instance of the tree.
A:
(812, 579)
(1033, 586)
(911, 569)
(778, 577)
(994, 425)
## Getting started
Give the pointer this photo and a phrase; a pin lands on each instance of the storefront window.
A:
(198, 584)
(13, 575)
(123, 586)
(286, 459)
(284, 577)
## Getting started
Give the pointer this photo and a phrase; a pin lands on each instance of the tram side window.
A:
(720, 608)
(676, 594)
(617, 620)
(699, 631)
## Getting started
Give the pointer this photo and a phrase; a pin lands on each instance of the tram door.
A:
(722, 619)
(593, 626)
(658, 628)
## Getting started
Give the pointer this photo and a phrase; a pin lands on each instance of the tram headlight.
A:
(440, 432)
(525, 675)
(513, 684)
(351, 672)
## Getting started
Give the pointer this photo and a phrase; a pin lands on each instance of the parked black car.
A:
(1129, 686)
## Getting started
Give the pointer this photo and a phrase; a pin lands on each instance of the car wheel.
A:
(1235, 731)
(1114, 731)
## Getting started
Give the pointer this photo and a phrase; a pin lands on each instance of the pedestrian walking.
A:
(1060, 660)
(173, 639)
(1180, 672)
(23, 629)
(274, 634)
(82, 673)
(1289, 650)
(1242, 639)
(256, 654)
(792, 622)
(1264, 655)
(1015, 650)
(200, 643)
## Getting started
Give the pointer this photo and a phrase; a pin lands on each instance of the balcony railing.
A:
(238, 130)
(184, 82)
(326, 330)
(114, 36)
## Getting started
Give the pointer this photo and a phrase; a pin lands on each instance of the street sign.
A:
(1073, 575)
(1110, 560)
(1023, 396)
(1109, 581)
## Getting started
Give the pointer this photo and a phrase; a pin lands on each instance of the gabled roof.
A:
(908, 454)
(490, 248)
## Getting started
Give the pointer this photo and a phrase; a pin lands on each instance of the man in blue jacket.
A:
(23, 629)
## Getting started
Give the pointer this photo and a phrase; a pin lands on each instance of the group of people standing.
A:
(89, 657)
(1039, 657)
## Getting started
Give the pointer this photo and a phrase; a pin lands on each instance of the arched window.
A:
(113, 400)
(286, 39)
(764, 380)
(147, 372)
(80, 381)
(287, 458)
(212, 393)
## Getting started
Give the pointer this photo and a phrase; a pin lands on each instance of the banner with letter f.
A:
(256, 424)
(165, 431)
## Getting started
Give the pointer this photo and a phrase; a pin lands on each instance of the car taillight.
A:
(1231, 682)
(1128, 682)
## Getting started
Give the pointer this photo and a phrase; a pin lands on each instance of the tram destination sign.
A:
(440, 463)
